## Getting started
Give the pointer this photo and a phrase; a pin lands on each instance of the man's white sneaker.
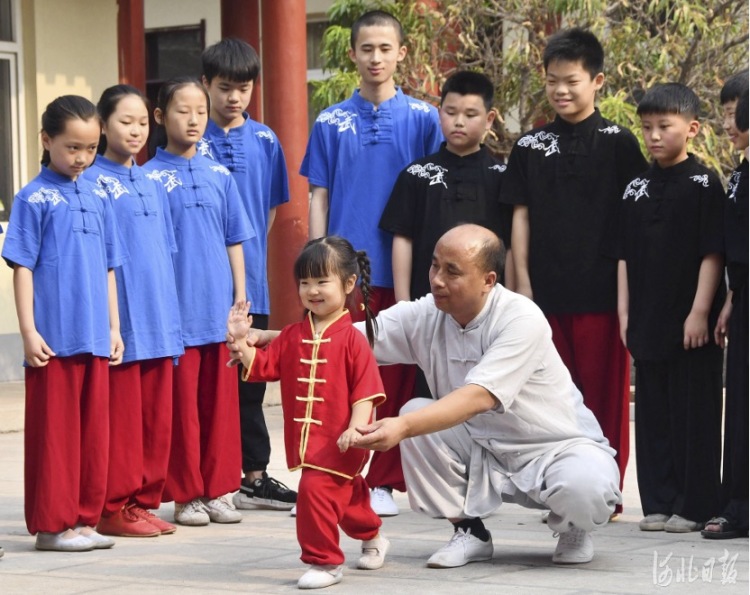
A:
(193, 513)
(373, 553)
(382, 502)
(320, 576)
(574, 547)
(460, 550)
(293, 511)
(221, 510)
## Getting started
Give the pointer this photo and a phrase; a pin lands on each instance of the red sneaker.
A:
(126, 523)
(148, 516)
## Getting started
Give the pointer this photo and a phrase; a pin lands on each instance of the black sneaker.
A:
(265, 492)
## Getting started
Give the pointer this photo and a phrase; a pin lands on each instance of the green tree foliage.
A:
(645, 42)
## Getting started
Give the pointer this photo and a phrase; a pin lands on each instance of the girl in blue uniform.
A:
(62, 246)
(210, 225)
(141, 388)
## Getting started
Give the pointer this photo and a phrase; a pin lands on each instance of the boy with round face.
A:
(355, 152)
(565, 180)
(459, 183)
(252, 153)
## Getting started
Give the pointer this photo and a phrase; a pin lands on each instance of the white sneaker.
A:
(221, 510)
(382, 502)
(574, 547)
(373, 553)
(320, 576)
(293, 511)
(460, 550)
(66, 541)
(101, 542)
(193, 513)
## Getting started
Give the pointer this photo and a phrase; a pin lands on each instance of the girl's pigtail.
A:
(371, 325)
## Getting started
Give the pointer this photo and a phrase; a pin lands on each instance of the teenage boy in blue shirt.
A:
(356, 150)
(566, 181)
(252, 153)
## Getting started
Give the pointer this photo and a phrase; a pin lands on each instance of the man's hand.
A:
(382, 434)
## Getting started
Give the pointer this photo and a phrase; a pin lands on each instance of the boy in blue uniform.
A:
(252, 153)
(356, 150)
(733, 322)
(566, 179)
(458, 184)
(670, 292)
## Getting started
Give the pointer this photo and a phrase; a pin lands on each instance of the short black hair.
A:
(376, 18)
(232, 59)
(670, 98)
(575, 45)
(733, 87)
(466, 82)
(740, 112)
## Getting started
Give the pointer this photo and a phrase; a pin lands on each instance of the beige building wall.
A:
(69, 47)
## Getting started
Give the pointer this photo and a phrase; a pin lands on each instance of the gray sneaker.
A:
(192, 514)
(678, 524)
(221, 510)
(653, 522)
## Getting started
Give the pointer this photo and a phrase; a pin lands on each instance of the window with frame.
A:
(11, 158)
(172, 52)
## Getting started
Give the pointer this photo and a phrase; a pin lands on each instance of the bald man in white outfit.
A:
(509, 425)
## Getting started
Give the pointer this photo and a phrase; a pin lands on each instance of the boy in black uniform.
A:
(458, 184)
(670, 292)
(566, 179)
(733, 322)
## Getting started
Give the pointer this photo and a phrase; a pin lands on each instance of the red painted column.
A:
(241, 19)
(131, 43)
(283, 23)
(131, 49)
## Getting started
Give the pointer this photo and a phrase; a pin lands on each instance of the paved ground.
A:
(261, 554)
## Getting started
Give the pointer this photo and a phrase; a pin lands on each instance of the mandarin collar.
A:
(176, 160)
(213, 129)
(58, 179)
(583, 127)
(365, 105)
(117, 168)
(343, 321)
(484, 313)
(678, 169)
(452, 159)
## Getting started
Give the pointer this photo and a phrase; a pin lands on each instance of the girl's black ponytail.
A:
(371, 325)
